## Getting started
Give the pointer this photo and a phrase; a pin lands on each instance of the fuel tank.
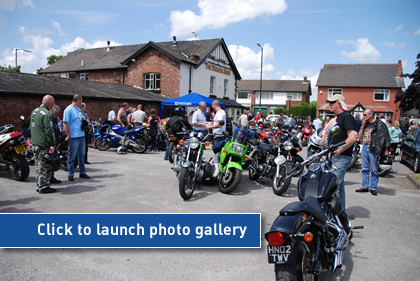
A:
(317, 183)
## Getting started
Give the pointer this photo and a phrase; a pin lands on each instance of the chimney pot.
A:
(399, 69)
(174, 40)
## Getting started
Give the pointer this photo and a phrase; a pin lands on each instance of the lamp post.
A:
(289, 98)
(16, 54)
(262, 51)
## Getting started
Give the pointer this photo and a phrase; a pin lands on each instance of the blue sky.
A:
(298, 36)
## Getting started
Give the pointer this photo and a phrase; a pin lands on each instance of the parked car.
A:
(274, 118)
(410, 150)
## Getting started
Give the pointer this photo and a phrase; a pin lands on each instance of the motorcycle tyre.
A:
(184, 178)
(93, 141)
(102, 144)
(277, 188)
(171, 152)
(23, 171)
(295, 271)
(253, 175)
(353, 160)
(63, 148)
(143, 145)
(304, 142)
(233, 183)
(382, 173)
(162, 140)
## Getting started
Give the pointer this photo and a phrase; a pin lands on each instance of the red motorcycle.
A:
(307, 131)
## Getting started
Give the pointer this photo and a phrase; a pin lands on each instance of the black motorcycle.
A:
(261, 159)
(311, 235)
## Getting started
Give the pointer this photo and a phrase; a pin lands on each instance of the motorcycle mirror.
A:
(22, 117)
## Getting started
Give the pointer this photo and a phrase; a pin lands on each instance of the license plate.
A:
(20, 148)
(279, 254)
(172, 138)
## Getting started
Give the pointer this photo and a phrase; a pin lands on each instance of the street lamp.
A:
(289, 98)
(16, 54)
(262, 50)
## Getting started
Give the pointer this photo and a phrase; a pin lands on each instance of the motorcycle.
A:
(310, 236)
(11, 150)
(192, 163)
(173, 148)
(161, 137)
(262, 159)
(116, 136)
(307, 131)
(91, 130)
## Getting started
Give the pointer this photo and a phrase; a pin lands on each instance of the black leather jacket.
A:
(379, 139)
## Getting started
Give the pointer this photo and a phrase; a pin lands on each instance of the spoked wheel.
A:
(142, 145)
(171, 151)
(19, 169)
(186, 182)
(102, 144)
(229, 180)
(280, 183)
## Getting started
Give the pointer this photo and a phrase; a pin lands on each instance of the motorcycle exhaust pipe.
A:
(4, 167)
(342, 242)
(134, 144)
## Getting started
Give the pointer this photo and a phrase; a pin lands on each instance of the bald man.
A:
(199, 119)
(43, 140)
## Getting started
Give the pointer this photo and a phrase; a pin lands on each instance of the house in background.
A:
(172, 69)
(365, 86)
(275, 94)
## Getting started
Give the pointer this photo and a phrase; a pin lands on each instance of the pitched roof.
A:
(193, 52)
(23, 83)
(360, 75)
(383, 108)
(275, 85)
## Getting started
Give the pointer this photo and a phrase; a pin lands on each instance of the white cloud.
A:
(364, 50)
(394, 45)
(58, 27)
(417, 32)
(400, 27)
(213, 16)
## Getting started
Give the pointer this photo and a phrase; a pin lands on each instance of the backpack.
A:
(177, 126)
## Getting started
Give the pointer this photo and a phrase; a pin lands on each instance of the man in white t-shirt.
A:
(112, 116)
(217, 129)
(138, 116)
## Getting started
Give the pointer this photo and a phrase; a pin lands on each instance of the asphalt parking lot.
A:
(386, 249)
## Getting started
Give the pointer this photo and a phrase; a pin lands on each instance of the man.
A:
(344, 130)
(243, 120)
(217, 128)
(112, 116)
(43, 140)
(318, 123)
(358, 122)
(405, 126)
(175, 125)
(83, 107)
(122, 115)
(56, 127)
(138, 116)
(72, 119)
(199, 119)
(375, 143)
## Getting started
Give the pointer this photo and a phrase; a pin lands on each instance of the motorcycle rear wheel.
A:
(63, 151)
(141, 142)
(299, 270)
(186, 183)
(171, 151)
(280, 184)
(102, 144)
(20, 166)
(353, 160)
(252, 174)
(229, 180)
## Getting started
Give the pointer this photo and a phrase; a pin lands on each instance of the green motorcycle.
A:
(232, 156)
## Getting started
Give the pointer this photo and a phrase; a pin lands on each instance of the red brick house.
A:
(365, 86)
(275, 93)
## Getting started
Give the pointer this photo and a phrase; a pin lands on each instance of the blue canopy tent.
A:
(192, 99)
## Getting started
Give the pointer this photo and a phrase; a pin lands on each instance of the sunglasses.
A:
(332, 102)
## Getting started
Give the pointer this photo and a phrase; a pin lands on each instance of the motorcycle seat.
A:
(309, 205)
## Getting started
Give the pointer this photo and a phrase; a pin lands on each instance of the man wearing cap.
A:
(112, 116)
(343, 130)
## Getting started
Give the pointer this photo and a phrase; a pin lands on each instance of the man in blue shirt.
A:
(72, 120)
(199, 119)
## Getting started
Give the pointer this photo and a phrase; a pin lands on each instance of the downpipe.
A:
(341, 243)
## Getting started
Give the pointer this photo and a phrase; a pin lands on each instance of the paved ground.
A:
(387, 249)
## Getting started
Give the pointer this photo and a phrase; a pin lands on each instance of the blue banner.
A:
(130, 231)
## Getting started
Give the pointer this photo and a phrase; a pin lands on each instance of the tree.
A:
(53, 58)
(410, 97)
(10, 68)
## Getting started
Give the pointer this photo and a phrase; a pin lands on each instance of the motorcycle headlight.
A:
(238, 148)
(288, 145)
(194, 142)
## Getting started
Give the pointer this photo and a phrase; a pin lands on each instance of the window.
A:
(244, 95)
(212, 82)
(376, 115)
(381, 95)
(225, 89)
(295, 96)
(332, 92)
(84, 76)
(152, 81)
(265, 96)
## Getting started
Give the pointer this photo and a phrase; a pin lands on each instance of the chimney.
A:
(174, 41)
(107, 49)
(81, 63)
(305, 79)
(399, 69)
(38, 70)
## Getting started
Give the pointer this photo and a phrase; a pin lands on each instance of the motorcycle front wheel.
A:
(103, 144)
(186, 182)
(20, 168)
(280, 183)
(141, 142)
(229, 180)
(302, 263)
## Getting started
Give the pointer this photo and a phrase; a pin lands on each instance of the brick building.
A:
(365, 86)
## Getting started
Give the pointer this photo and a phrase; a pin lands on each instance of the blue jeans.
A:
(370, 166)
(76, 146)
(341, 162)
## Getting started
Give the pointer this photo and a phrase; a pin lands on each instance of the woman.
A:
(394, 134)
(153, 123)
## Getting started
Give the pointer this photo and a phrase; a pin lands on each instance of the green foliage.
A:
(410, 97)
(304, 109)
(53, 58)
(10, 68)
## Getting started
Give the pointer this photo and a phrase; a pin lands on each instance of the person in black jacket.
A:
(175, 125)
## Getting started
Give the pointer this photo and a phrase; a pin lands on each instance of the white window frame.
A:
(264, 96)
(212, 84)
(153, 79)
(334, 91)
(385, 93)
(248, 95)
(84, 76)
